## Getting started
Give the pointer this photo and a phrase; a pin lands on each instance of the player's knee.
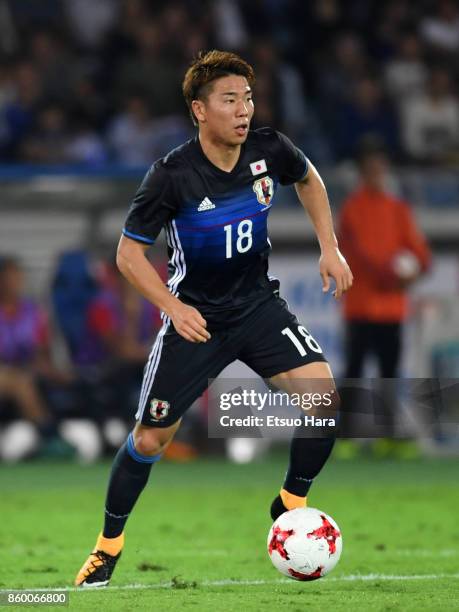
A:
(147, 443)
(151, 441)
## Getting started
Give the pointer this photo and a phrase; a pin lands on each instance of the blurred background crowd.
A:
(104, 330)
(90, 96)
(95, 82)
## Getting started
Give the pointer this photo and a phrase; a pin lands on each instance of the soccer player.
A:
(212, 196)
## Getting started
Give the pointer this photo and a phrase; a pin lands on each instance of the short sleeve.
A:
(292, 163)
(151, 207)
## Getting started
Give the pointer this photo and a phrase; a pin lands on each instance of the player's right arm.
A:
(134, 266)
(153, 206)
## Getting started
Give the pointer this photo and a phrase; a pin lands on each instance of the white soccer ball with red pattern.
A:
(304, 544)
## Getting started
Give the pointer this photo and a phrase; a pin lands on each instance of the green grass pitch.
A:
(197, 539)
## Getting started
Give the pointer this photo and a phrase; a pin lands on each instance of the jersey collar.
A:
(215, 168)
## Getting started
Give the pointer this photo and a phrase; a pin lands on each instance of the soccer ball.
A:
(304, 544)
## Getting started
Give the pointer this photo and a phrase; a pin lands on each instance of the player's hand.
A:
(189, 323)
(332, 263)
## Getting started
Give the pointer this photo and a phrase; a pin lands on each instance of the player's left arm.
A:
(313, 196)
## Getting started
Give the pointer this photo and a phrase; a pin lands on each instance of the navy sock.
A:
(129, 475)
(307, 458)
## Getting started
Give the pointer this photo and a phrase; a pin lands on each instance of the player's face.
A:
(227, 110)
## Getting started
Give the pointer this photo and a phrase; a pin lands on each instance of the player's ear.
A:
(199, 109)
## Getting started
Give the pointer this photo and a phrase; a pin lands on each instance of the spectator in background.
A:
(343, 64)
(441, 31)
(136, 139)
(6, 85)
(328, 49)
(430, 123)
(280, 100)
(367, 114)
(340, 72)
(405, 74)
(120, 40)
(6, 95)
(307, 31)
(88, 102)
(390, 18)
(121, 322)
(19, 113)
(135, 72)
(25, 12)
(173, 21)
(48, 142)
(54, 64)
(89, 21)
(120, 325)
(131, 134)
(387, 253)
(230, 31)
(85, 146)
(25, 357)
(194, 43)
(278, 87)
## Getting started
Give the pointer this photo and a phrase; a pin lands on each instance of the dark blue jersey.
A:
(216, 221)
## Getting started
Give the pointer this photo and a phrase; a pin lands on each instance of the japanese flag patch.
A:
(258, 167)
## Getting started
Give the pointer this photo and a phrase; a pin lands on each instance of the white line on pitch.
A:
(229, 582)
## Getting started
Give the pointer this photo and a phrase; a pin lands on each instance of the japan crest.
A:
(159, 409)
(264, 190)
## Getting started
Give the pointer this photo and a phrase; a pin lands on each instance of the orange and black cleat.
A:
(99, 566)
(286, 501)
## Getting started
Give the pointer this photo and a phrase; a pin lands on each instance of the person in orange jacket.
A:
(387, 253)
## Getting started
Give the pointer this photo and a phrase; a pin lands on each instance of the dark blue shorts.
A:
(270, 340)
